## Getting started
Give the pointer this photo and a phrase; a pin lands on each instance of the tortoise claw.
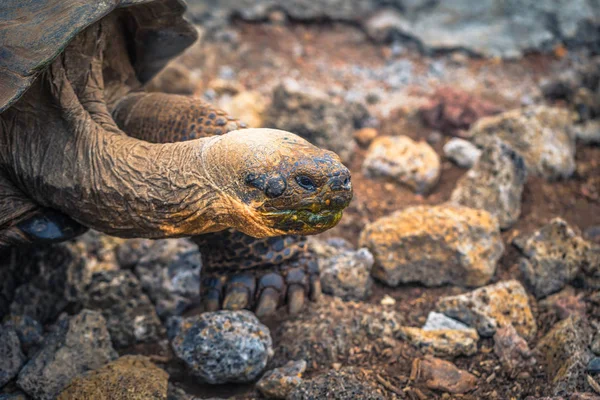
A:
(267, 303)
(315, 287)
(240, 292)
(295, 298)
(211, 293)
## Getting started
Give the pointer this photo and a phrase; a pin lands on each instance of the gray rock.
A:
(311, 114)
(348, 274)
(130, 316)
(29, 331)
(170, 274)
(176, 393)
(14, 396)
(434, 245)
(542, 135)
(222, 346)
(130, 252)
(76, 345)
(495, 183)
(565, 354)
(216, 14)
(51, 277)
(410, 163)
(553, 256)
(279, 382)
(335, 385)
(490, 307)
(11, 356)
(436, 321)
(462, 152)
(489, 27)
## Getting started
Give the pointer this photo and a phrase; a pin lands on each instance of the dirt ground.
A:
(340, 56)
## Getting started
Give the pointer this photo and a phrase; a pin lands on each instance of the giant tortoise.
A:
(83, 145)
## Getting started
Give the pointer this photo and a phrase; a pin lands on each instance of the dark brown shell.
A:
(34, 32)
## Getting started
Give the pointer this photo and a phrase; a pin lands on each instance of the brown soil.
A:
(265, 54)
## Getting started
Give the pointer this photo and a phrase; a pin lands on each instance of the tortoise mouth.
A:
(310, 217)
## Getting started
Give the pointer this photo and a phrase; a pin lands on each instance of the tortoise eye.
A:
(306, 182)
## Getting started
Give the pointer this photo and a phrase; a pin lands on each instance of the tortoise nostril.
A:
(341, 181)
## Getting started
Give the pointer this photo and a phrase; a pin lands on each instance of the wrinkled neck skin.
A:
(65, 157)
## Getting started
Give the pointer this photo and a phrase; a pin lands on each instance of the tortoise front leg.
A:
(239, 271)
(166, 118)
(23, 222)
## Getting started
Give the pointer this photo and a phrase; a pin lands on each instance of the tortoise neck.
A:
(61, 158)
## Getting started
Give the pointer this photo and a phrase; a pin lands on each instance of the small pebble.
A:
(462, 152)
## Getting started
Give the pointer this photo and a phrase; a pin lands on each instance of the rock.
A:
(542, 135)
(384, 25)
(335, 385)
(14, 396)
(414, 164)
(279, 382)
(75, 345)
(492, 28)
(222, 346)
(365, 136)
(319, 118)
(452, 110)
(495, 183)
(565, 354)
(442, 342)
(348, 274)
(553, 256)
(311, 114)
(564, 303)
(29, 331)
(248, 107)
(511, 349)
(588, 132)
(130, 252)
(462, 152)
(436, 321)
(128, 378)
(170, 274)
(52, 277)
(593, 366)
(175, 78)
(99, 251)
(11, 356)
(359, 329)
(437, 374)
(491, 307)
(434, 245)
(130, 316)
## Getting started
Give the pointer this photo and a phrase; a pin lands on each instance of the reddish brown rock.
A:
(438, 374)
(452, 110)
(512, 349)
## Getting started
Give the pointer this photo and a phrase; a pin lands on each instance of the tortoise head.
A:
(281, 183)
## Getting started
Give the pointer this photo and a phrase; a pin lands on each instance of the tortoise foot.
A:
(263, 290)
(49, 226)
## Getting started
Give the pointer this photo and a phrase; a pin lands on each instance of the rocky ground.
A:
(467, 265)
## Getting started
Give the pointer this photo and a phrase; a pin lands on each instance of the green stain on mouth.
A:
(305, 220)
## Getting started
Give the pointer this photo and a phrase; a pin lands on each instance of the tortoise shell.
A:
(34, 32)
